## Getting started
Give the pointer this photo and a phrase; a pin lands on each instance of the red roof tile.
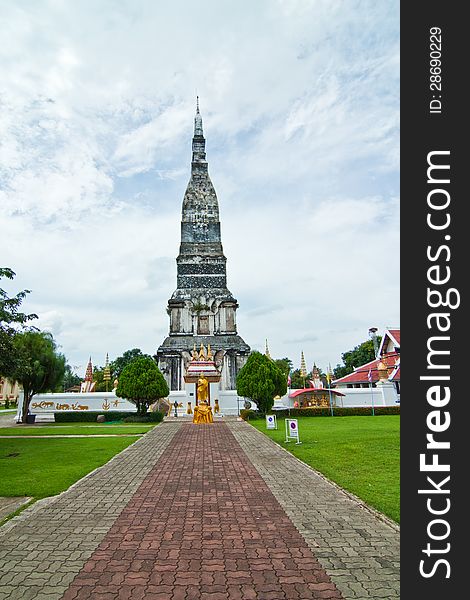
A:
(360, 375)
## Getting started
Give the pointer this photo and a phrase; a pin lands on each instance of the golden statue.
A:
(209, 352)
(216, 406)
(202, 389)
(189, 410)
(194, 353)
(202, 413)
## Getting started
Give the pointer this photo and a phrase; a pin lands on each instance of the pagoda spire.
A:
(266, 352)
(89, 371)
(107, 372)
(198, 131)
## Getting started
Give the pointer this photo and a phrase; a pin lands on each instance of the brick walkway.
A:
(185, 496)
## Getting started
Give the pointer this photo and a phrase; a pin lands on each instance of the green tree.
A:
(360, 355)
(120, 362)
(142, 383)
(298, 382)
(10, 320)
(285, 364)
(38, 367)
(70, 379)
(260, 379)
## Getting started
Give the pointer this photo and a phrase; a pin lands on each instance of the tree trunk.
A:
(26, 403)
(142, 407)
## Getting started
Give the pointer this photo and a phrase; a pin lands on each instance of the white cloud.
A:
(300, 106)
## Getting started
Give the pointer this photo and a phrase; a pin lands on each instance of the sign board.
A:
(271, 422)
(292, 430)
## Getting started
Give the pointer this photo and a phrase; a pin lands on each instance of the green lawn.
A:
(48, 466)
(361, 454)
(76, 429)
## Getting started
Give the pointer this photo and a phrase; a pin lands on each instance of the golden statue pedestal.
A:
(202, 414)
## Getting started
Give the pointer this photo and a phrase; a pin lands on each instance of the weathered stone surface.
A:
(201, 309)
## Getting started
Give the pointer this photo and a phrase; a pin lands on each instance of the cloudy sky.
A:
(300, 103)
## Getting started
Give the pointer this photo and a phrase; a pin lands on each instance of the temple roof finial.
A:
(197, 104)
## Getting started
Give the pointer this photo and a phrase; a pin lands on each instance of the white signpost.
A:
(271, 422)
(292, 430)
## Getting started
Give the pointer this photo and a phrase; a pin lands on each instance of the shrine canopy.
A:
(314, 397)
(202, 365)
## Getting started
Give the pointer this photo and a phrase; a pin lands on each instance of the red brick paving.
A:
(203, 525)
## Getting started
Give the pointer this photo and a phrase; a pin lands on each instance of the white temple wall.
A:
(43, 404)
(354, 397)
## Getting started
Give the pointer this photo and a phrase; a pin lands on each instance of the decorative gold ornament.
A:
(382, 371)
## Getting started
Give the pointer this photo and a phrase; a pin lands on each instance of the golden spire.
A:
(209, 353)
(106, 372)
(303, 367)
(266, 352)
(202, 352)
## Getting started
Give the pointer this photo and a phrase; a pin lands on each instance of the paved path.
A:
(184, 513)
(7, 418)
(8, 505)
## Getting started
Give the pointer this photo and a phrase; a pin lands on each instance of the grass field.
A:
(361, 454)
(76, 429)
(47, 466)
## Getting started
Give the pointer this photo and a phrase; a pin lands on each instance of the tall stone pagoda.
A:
(202, 310)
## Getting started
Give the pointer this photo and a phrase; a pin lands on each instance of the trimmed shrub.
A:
(89, 416)
(247, 413)
(260, 379)
(142, 383)
(338, 411)
(150, 417)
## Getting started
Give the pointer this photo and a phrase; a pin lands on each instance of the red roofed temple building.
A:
(381, 374)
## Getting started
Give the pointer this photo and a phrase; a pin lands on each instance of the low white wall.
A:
(70, 402)
(360, 397)
(384, 394)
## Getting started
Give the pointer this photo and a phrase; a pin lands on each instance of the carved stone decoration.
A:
(186, 358)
